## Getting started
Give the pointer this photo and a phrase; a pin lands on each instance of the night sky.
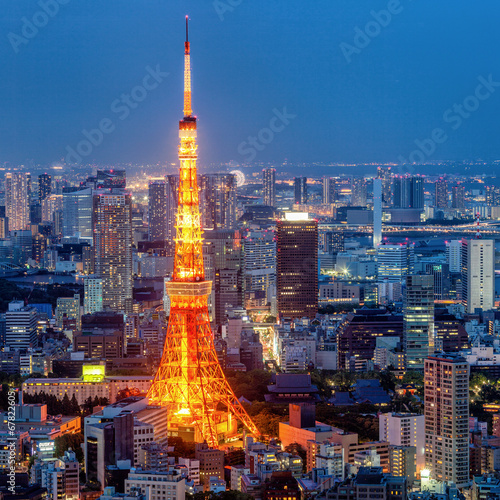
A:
(252, 60)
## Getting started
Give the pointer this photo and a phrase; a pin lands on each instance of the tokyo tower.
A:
(190, 381)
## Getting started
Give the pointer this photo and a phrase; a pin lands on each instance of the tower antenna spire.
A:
(187, 74)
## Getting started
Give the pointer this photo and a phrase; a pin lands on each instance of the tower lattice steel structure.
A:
(190, 380)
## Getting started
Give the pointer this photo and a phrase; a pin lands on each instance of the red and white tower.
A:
(190, 380)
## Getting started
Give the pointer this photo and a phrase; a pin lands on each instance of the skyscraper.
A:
(171, 204)
(300, 188)
(44, 186)
(329, 188)
(454, 255)
(112, 222)
(157, 210)
(408, 192)
(385, 174)
(20, 325)
(492, 196)
(358, 192)
(269, 185)
(218, 201)
(377, 212)
(92, 300)
(478, 274)
(297, 266)
(17, 199)
(394, 262)
(446, 408)
(441, 193)
(418, 320)
(458, 197)
(77, 212)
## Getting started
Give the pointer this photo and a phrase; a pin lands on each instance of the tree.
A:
(67, 441)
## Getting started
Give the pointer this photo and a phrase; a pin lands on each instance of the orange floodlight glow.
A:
(190, 380)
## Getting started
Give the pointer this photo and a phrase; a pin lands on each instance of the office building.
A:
(159, 485)
(385, 174)
(478, 274)
(446, 409)
(300, 190)
(329, 190)
(218, 201)
(17, 200)
(77, 213)
(394, 262)
(358, 192)
(112, 221)
(441, 193)
(404, 430)
(408, 192)
(50, 204)
(454, 255)
(492, 196)
(157, 210)
(377, 212)
(92, 300)
(44, 186)
(20, 326)
(259, 261)
(68, 309)
(418, 319)
(297, 266)
(458, 197)
(269, 185)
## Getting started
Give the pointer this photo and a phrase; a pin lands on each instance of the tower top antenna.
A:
(187, 28)
(187, 74)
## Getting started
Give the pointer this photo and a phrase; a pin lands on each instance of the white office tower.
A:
(20, 326)
(92, 300)
(478, 274)
(394, 262)
(377, 212)
(404, 429)
(446, 409)
(77, 213)
(454, 255)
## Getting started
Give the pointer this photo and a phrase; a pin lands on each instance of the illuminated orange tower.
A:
(190, 380)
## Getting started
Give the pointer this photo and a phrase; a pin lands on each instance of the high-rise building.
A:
(17, 200)
(92, 289)
(297, 266)
(300, 190)
(358, 192)
(441, 193)
(77, 212)
(112, 221)
(157, 210)
(446, 409)
(50, 204)
(418, 319)
(218, 201)
(20, 326)
(442, 282)
(171, 204)
(478, 274)
(454, 255)
(394, 262)
(269, 185)
(333, 242)
(385, 174)
(259, 257)
(408, 192)
(44, 186)
(68, 308)
(492, 196)
(458, 197)
(377, 212)
(329, 190)
(404, 429)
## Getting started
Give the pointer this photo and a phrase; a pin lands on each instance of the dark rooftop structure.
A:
(292, 388)
(370, 391)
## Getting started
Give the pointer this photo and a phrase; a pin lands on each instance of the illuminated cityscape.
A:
(296, 296)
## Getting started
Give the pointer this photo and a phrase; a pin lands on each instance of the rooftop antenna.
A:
(187, 74)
